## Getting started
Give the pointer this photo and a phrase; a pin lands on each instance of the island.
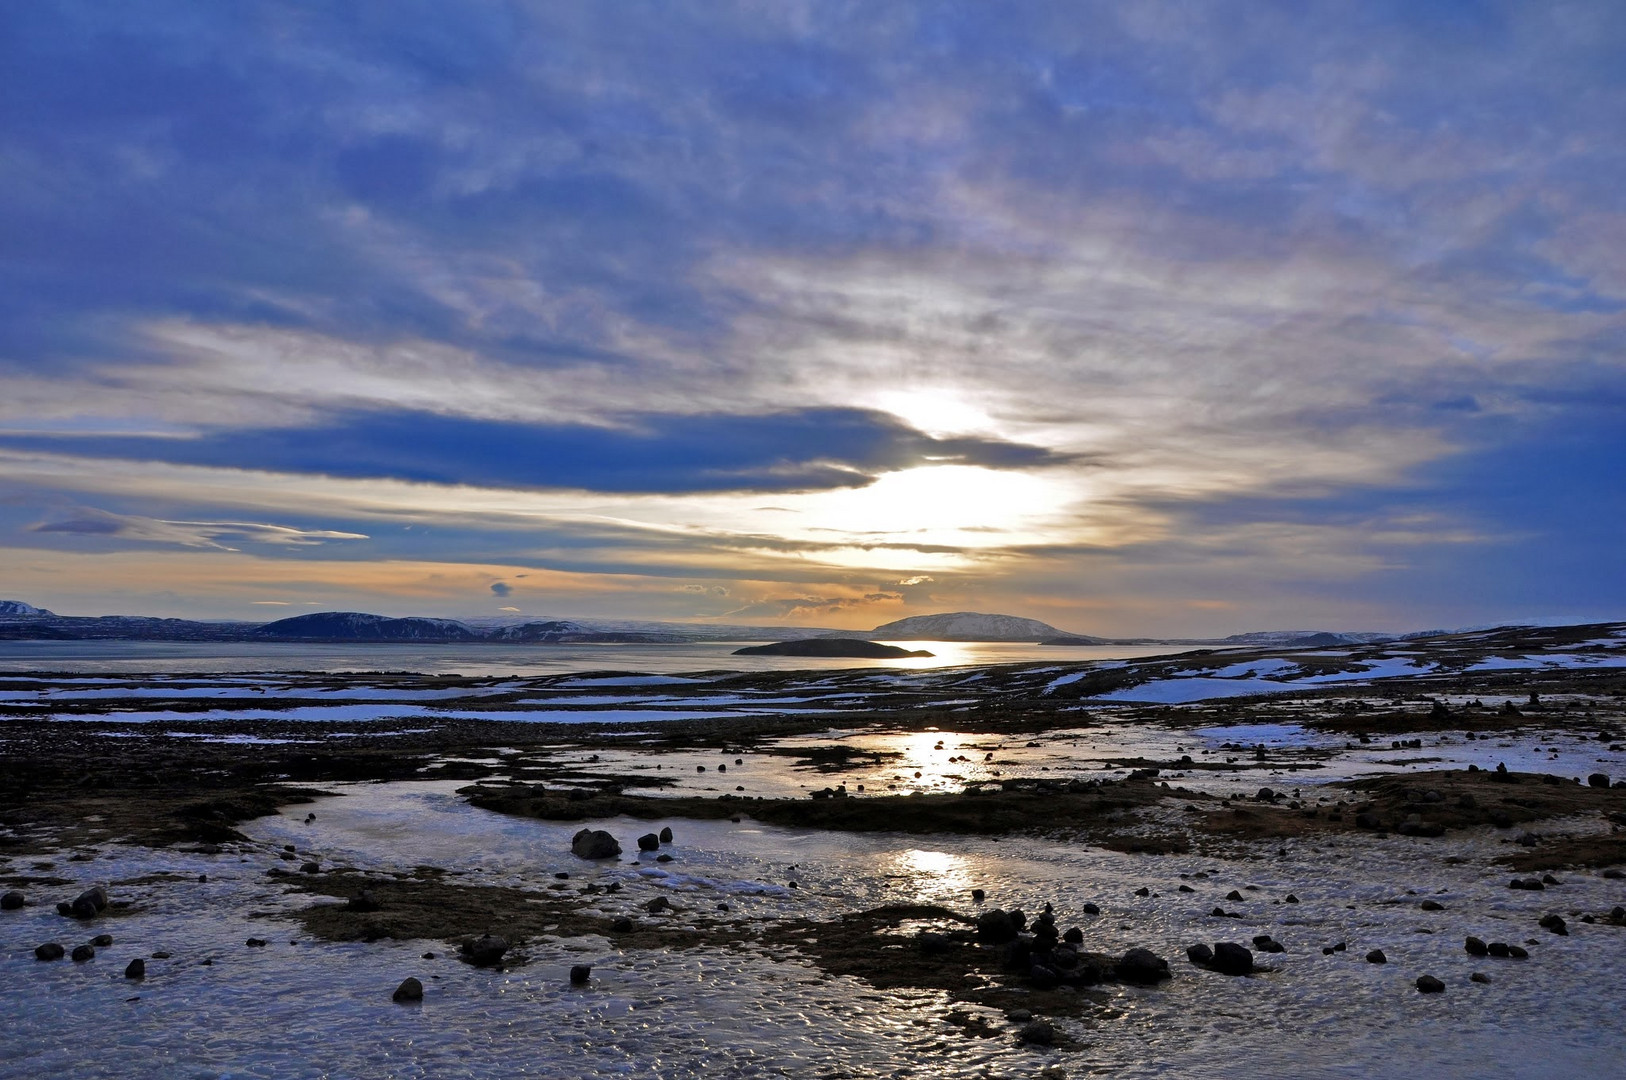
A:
(835, 646)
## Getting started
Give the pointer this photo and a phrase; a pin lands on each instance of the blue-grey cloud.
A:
(809, 449)
(501, 588)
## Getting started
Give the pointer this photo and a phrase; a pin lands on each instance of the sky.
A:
(1139, 318)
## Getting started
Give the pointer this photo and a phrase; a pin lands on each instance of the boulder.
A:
(1376, 957)
(1555, 924)
(11, 901)
(1428, 984)
(1598, 780)
(1037, 1033)
(1232, 959)
(580, 973)
(646, 842)
(1142, 967)
(1073, 936)
(81, 953)
(1200, 954)
(49, 951)
(666, 835)
(996, 926)
(485, 950)
(658, 905)
(409, 990)
(594, 844)
(1475, 946)
(136, 969)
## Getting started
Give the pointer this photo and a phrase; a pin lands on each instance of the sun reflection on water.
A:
(930, 875)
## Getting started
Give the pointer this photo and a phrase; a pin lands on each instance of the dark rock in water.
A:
(1042, 977)
(409, 990)
(87, 905)
(11, 901)
(1073, 936)
(364, 901)
(1266, 943)
(658, 905)
(666, 835)
(1376, 957)
(102, 941)
(1475, 946)
(1497, 948)
(1091, 909)
(1479, 977)
(1232, 959)
(81, 953)
(1617, 914)
(1526, 883)
(310, 868)
(649, 842)
(1432, 905)
(1143, 891)
(485, 950)
(1548, 879)
(256, 943)
(1199, 954)
(136, 969)
(663, 858)
(1555, 924)
(1142, 967)
(580, 973)
(623, 925)
(1428, 984)
(1037, 1033)
(49, 951)
(996, 926)
(1598, 780)
(1018, 918)
(1290, 899)
(594, 844)
(1515, 952)
(1233, 895)
(1265, 795)
(1614, 873)
(977, 896)
(853, 647)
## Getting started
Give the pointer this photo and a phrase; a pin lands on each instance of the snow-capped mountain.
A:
(13, 609)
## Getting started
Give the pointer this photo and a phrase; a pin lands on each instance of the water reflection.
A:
(931, 876)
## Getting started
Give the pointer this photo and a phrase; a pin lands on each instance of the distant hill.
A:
(17, 609)
(831, 646)
(564, 632)
(1302, 639)
(974, 626)
(359, 626)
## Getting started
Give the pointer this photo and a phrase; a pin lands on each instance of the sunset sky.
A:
(1137, 318)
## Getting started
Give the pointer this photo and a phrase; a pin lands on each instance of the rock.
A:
(1614, 873)
(1598, 780)
(594, 844)
(646, 842)
(49, 951)
(1432, 905)
(136, 969)
(1428, 984)
(87, 905)
(1376, 957)
(1073, 936)
(1479, 977)
(1091, 909)
(1143, 891)
(11, 901)
(1142, 967)
(1043, 977)
(1548, 879)
(1265, 795)
(1037, 1033)
(666, 835)
(1290, 899)
(663, 858)
(1200, 954)
(977, 896)
(658, 905)
(1233, 895)
(580, 973)
(485, 950)
(623, 925)
(363, 901)
(996, 925)
(1497, 948)
(256, 943)
(1533, 884)
(1516, 953)
(102, 941)
(1617, 914)
(1475, 946)
(310, 868)
(1232, 959)
(81, 953)
(409, 990)
(1266, 943)
(1555, 924)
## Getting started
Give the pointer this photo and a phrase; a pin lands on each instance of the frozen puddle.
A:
(314, 1009)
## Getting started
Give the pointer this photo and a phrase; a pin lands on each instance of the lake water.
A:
(177, 656)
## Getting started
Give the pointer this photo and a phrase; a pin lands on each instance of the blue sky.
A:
(1148, 318)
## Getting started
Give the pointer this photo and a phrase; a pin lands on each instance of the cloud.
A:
(799, 606)
(88, 522)
(808, 449)
(501, 588)
(706, 590)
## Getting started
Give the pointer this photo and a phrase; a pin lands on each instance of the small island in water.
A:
(836, 646)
